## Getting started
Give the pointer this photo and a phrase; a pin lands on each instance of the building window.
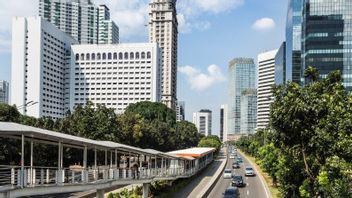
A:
(77, 57)
(93, 56)
(87, 56)
(143, 55)
(131, 55)
(137, 55)
(82, 56)
(109, 56)
(126, 55)
(104, 56)
(149, 55)
(120, 56)
(98, 56)
(115, 56)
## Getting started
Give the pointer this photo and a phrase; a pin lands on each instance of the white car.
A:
(232, 156)
(227, 174)
(249, 171)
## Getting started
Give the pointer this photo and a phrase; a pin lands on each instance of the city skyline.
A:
(205, 64)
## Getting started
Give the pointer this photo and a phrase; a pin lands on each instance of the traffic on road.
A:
(239, 179)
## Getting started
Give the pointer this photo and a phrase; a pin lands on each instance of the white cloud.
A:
(9, 9)
(201, 81)
(264, 24)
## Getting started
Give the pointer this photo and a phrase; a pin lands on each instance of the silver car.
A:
(249, 171)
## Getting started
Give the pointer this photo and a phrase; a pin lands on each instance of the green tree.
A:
(311, 123)
(211, 141)
(9, 113)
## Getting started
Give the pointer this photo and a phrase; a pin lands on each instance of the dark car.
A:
(237, 180)
(236, 165)
(239, 159)
(231, 192)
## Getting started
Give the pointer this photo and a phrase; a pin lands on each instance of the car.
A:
(239, 159)
(236, 165)
(249, 171)
(227, 174)
(231, 192)
(237, 180)
(232, 156)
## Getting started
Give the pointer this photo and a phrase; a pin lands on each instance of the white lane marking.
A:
(247, 192)
(247, 184)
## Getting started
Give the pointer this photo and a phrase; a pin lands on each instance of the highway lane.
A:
(253, 189)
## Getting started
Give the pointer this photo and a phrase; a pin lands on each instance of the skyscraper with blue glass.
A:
(327, 37)
(293, 41)
(242, 76)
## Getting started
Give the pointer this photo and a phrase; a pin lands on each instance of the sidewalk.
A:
(201, 183)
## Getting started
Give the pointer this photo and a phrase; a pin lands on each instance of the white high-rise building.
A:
(163, 29)
(115, 75)
(203, 121)
(266, 79)
(180, 111)
(81, 19)
(4, 92)
(40, 62)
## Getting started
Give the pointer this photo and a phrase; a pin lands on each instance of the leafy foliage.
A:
(307, 147)
(211, 141)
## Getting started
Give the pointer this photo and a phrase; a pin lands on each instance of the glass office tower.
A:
(327, 37)
(280, 65)
(242, 74)
(248, 111)
(293, 41)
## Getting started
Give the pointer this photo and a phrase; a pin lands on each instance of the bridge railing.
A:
(15, 177)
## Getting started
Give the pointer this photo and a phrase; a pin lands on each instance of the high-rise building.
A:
(108, 31)
(81, 19)
(248, 111)
(266, 80)
(242, 76)
(293, 41)
(115, 75)
(40, 67)
(280, 65)
(223, 123)
(180, 111)
(163, 29)
(203, 121)
(327, 38)
(4, 92)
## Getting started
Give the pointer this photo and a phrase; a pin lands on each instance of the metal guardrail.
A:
(14, 177)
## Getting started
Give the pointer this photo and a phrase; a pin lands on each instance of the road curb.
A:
(266, 187)
(209, 187)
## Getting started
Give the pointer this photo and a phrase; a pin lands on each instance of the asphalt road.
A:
(253, 189)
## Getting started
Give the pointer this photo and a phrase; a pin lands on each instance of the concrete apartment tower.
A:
(203, 121)
(266, 79)
(81, 19)
(40, 67)
(163, 29)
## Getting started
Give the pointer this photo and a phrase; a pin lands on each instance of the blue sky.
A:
(212, 32)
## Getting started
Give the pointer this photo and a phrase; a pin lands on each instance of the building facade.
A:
(115, 75)
(293, 41)
(249, 111)
(4, 92)
(266, 80)
(163, 29)
(223, 123)
(108, 31)
(203, 121)
(280, 65)
(180, 111)
(327, 38)
(242, 76)
(40, 64)
(81, 19)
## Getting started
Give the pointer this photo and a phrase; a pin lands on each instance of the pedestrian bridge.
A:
(97, 165)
